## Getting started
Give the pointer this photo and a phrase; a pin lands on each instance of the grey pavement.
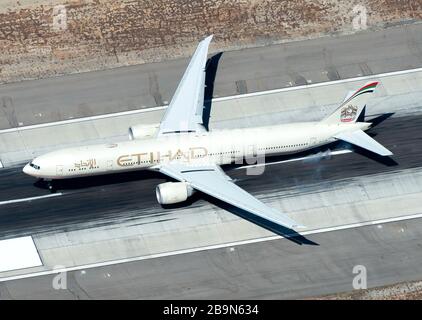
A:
(275, 269)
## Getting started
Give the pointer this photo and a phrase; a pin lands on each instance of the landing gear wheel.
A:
(51, 187)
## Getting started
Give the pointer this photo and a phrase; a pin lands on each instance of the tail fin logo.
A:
(348, 113)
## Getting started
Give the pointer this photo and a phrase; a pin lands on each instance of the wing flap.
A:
(214, 182)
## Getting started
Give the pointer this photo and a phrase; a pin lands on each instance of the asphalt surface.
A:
(274, 269)
(243, 71)
(105, 200)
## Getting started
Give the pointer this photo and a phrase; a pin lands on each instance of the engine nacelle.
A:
(143, 131)
(173, 192)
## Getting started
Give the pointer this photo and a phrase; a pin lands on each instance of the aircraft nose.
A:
(26, 169)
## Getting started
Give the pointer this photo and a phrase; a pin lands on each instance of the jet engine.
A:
(142, 131)
(173, 192)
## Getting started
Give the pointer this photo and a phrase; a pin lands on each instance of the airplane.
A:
(182, 148)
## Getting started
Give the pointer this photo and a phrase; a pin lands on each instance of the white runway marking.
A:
(123, 113)
(212, 247)
(30, 198)
(18, 253)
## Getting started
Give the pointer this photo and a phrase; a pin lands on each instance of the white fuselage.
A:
(215, 147)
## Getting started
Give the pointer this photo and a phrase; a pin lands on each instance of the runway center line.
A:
(31, 198)
(211, 247)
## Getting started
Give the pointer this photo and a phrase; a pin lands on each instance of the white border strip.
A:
(124, 113)
(212, 247)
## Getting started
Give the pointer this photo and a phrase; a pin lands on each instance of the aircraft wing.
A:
(211, 179)
(184, 113)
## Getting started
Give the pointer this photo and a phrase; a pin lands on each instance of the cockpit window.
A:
(34, 166)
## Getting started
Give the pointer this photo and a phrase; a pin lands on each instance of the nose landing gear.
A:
(45, 184)
(50, 185)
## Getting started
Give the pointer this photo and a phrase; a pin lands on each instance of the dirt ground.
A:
(42, 38)
(401, 291)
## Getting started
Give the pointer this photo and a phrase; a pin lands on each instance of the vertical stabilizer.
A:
(353, 105)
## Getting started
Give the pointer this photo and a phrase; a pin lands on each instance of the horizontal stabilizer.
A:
(361, 139)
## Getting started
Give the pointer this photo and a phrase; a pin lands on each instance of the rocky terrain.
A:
(42, 38)
(400, 291)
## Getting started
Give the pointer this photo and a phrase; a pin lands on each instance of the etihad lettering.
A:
(122, 160)
(157, 156)
(179, 154)
(90, 164)
(198, 152)
(138, 156)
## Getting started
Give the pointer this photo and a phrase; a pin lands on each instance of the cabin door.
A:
(109, 164)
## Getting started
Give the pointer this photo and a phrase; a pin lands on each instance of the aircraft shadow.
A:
(210, 74)
(99, 180)
(381, 118)
(287, 233)
(385, 160)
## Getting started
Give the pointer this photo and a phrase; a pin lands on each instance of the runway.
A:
(129, 196)
(388, 251)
